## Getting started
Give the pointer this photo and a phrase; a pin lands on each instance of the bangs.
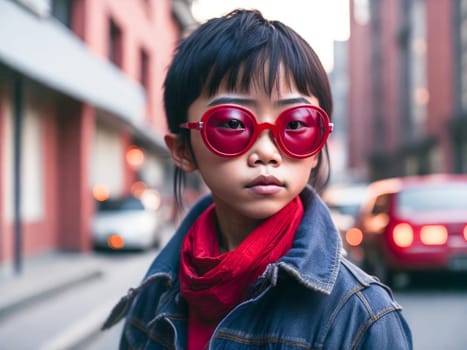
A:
(262, 67)
(259, 72)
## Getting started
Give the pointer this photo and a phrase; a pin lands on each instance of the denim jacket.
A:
(312, 298)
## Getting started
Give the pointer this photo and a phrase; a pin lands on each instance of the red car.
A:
(413, 224)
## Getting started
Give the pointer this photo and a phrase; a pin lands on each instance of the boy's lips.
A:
(265, 184)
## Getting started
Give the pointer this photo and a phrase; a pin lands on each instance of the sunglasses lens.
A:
(302, 131)
(228, 131)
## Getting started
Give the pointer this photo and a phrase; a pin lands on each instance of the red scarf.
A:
(214, 283)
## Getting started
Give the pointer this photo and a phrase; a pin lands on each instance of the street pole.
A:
(18, 92)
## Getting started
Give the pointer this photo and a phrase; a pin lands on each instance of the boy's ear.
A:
(181, 154)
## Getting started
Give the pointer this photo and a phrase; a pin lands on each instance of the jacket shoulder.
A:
(365, 312)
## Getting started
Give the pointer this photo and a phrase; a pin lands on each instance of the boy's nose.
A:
(265, 150)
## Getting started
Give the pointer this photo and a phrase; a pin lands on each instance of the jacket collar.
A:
(317, 250)
(313, 259)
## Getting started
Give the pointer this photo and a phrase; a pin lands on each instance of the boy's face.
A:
(261, 181)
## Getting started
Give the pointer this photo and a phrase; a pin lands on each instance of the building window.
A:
(107, 170)
(463, 53)
(32, 193)
(115, 44)
(361, 11)
(144, 69)
(418, 88)
(62, 10)
(147, 6)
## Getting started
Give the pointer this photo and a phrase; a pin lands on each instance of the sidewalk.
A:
(57, 281)
(44, 276)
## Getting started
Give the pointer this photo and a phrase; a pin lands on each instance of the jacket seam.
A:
(366, 304)
(324, 333)
(143, 328)
(259, 341)
(373, 319)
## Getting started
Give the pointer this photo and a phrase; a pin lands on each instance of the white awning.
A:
(43, 49)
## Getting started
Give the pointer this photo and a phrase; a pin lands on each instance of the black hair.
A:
(242, 48)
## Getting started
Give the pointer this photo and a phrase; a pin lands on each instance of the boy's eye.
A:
(233, 124)
(295, 124)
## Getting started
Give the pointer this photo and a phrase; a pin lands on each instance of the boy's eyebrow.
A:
(252, 102)
(234, 100)
(291, 101)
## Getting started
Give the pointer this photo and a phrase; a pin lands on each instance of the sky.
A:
(320, 22)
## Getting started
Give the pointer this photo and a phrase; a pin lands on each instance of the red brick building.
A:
(80, 87)
(407, 92)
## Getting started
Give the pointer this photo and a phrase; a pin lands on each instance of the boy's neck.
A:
(231, 231)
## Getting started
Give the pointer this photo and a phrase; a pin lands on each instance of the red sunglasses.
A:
(230, 130)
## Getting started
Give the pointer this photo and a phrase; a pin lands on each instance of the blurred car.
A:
(126, 223)
(414, 224)
(344, 202)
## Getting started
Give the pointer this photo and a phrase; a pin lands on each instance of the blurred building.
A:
(407, 111)
(339, 139)
(80, 112)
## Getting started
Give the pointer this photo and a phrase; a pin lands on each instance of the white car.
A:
(126, 223)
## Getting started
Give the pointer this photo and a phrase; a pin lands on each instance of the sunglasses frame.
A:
(258, 128)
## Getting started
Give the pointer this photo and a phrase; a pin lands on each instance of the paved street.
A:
(436, 309)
